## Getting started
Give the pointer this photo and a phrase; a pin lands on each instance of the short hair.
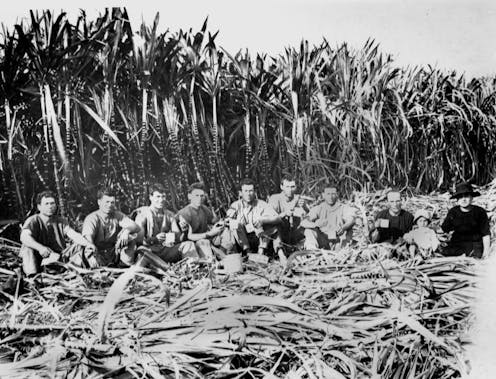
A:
(44, 194)
(288, 178)
(196, 186)
(156, 187)
(329, 185)
(246, 182)
(105, 192)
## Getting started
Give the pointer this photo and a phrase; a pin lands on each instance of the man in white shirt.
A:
(329, 225)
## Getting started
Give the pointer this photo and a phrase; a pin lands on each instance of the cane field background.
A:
(93, 103)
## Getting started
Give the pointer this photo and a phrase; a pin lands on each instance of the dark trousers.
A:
(470, 249)
(288, 235)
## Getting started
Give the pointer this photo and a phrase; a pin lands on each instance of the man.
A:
(329, 224)
(159, 232)
(290, 209)
(198, 223)
(253, 221)
(42, 235)
(391, 223)
(112, 232)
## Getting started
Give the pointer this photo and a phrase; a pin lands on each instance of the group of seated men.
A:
(110, 238)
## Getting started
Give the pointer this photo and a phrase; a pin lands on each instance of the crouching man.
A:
(290, 208)
(159, 231)
(253, 221)
(329, 225)
(112, 232)
(43, 236)
(198, 224)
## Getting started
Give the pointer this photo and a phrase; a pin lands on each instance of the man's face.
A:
(106, 204)
(330, 195)
(248, 192)
(394, 201)
(196, 197)
(48, 206)
(464, 201)
(288, 188)
(157, 200)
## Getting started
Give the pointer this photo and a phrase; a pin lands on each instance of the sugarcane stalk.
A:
(248, 150)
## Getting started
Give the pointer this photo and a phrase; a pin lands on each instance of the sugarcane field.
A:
(171, 208)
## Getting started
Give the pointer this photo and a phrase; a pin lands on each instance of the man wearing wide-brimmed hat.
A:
(469, 224)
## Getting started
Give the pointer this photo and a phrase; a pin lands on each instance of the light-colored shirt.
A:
(335, 216)
(425, 238)
(251, 213)
(281, 204)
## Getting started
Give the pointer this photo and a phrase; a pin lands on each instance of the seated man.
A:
(290, 208)
(111, 231)
(197, 221)
(391, 223)
(253, 221)
(159, 231)
(329, 225)
(43, 235)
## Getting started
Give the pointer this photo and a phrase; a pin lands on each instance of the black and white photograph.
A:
(298, 189)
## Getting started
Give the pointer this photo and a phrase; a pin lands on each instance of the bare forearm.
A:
(348, 225)
(89, 238)
(307, 224)
(29, 241)
(486, 243)
(198, 236)
(374, 235)
(78, 238)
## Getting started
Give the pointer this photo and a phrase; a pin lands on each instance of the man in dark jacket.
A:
(391, 223)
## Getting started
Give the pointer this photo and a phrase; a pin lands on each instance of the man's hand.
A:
(374, 236)
(287, 213)
(215, 231)
(339, 231)
(161, 237)
(183, 225)
(90, 255)
(259, 223)
(45, 252)
(123, 239)
(301, 202)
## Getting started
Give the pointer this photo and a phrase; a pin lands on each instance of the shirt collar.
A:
(46, 218)
(336, 205)
(250, 206)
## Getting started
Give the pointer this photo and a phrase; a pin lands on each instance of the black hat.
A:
(464, 189)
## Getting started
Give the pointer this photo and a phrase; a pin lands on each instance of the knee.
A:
(31, 260)
(310, 233)
(202, 243)
(189, 245)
